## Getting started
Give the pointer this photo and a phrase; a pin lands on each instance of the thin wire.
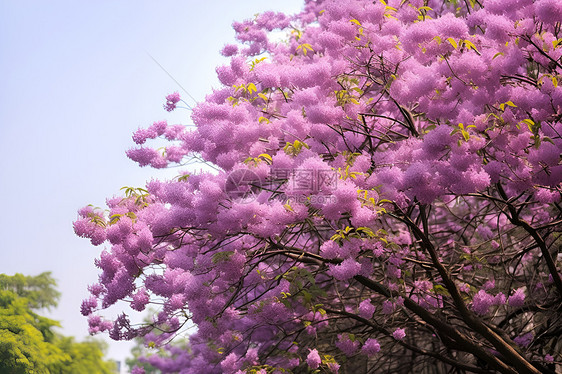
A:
(174, 79)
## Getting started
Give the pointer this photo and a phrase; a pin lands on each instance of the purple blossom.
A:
(464, 287)
(518, 298)
(524, 340)
(393, 271)
(346, 270)
(366, 309)
(371, 347)
(481, 302)
(96, 289)
(499, 299)
(313, 359)
(549, 10)
(171, 101)
(387, 307)
(231, 363)
(140, 299)
(229, 50)
(489, 285)
(88, 306)
(334, 367)
(140, 136)
(92, 228)
(347, 344)
(399, 334)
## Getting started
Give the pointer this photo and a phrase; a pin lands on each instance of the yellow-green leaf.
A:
(183, 177)
(114, 219)
(453, 42)
(288, 207)
(251, 88)
(266, 156)
(470, 45)
(263, 119)
(530, 124)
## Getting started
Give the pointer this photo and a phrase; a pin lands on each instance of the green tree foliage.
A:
(39, 290)
(85, 357)
(28, 343)
(26, 338)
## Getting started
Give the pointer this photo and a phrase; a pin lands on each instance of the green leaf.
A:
(222, 256)
(183, 177)
(547, 139)
(440, 290)
(131, 215)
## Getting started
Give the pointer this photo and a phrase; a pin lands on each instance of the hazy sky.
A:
(76, 81)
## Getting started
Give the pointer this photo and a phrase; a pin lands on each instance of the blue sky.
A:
(76, 81)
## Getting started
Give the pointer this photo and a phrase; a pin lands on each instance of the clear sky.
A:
(76, 80)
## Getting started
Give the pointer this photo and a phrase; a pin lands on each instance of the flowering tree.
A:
(387, 198)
